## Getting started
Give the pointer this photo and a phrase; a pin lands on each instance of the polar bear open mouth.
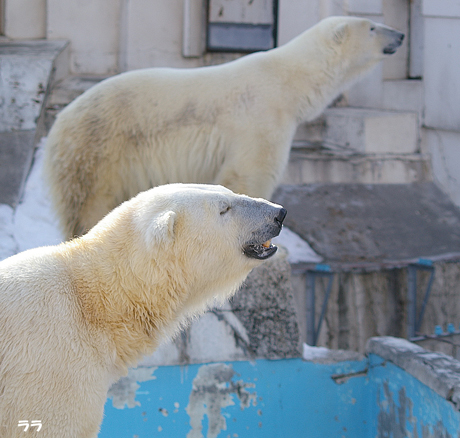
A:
(260, 251)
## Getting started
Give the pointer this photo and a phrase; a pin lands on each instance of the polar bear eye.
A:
(224, 209)
(372, 28)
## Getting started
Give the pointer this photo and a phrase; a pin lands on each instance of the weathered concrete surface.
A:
(438, 371)
(397, 414)
(16, 153)
(398, 390)
(447, 344)
(27, 69)
(318, 165)
(265, 307)
(212, 391)
(27, 72)
(368, 234)
(8, 244)
(123, 392)
(367, 304)
(357, 223)
(371, 131)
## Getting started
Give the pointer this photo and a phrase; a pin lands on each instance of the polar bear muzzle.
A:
(260, 246)
(393, 37)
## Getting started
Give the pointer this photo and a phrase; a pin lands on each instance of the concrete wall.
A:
(442, 92)
(25, 19)
(369, 304)
(110, 36)
(369, 92)
(93, 28)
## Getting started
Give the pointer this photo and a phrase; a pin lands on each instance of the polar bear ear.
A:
(161, 229)
(340, 33)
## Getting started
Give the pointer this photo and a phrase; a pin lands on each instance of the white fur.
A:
(73, 317)
(230, 124)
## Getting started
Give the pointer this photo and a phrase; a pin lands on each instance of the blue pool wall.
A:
(397, 390)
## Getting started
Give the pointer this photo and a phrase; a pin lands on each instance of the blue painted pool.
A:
(371, 397)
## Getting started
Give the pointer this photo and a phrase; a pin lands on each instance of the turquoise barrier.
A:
(291, 398)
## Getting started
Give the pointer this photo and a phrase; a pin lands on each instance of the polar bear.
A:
(73, 317)
(230, 124)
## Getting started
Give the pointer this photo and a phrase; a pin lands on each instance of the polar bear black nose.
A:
(280, 217)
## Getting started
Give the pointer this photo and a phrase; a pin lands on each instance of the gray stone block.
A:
(265, 307)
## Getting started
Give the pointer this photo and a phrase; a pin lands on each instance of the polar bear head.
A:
(355, 45)
(360, 35)
(362, 41)
(203, 238)
(209, 219)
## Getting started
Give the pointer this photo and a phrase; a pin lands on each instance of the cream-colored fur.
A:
(230, 124)
(73, 317)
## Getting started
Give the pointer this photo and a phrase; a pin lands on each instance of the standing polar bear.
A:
(73, 317)
(230, 124)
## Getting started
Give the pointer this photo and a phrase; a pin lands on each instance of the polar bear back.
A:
(231, 124)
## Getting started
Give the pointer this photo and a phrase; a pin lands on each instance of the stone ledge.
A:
(438, 371)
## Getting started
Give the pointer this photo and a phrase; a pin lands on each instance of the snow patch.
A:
(314, 353)
(34, 221)
(33, 224)
(8, 245)
(299, 251)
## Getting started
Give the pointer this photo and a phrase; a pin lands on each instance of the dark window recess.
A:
(240, 37)
(241, 25)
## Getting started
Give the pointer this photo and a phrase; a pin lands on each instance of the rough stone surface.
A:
(366, 304)
(438, 371)
(123, 392)
(357, 223)
(265, 307)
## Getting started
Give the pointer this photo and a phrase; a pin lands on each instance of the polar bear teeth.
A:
(267, 244)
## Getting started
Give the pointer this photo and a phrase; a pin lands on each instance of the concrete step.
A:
(371, 131)
(308, 166)
(362, 130)
(348, 144)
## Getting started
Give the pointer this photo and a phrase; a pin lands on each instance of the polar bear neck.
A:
(120, 304)
(312, 74)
